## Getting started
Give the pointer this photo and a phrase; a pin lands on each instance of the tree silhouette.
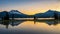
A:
(6, 17)
(6, 23)
(35, 19)
(12, 16)
(55, 15)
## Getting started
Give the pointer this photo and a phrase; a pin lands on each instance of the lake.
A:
(30, 27)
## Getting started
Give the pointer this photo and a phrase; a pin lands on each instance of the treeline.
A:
(5, 15)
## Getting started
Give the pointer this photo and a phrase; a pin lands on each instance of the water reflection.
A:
(50, 22)
(18, 22)
(10, 22)
(32, 27)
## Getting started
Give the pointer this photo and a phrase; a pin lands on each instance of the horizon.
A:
(30, 7)
(33, 14)
(29, 16)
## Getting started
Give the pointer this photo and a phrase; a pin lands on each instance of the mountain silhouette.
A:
(18, 14)
(15, 12)
(4, 15)
(48, 14)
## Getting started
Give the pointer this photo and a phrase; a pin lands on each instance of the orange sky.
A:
(30, 7)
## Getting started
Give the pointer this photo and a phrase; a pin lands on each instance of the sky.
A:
(30, 7)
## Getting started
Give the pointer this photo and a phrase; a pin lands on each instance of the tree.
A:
(6, 17)
(55, 15)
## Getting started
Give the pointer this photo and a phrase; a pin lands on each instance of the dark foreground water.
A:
(30, 27)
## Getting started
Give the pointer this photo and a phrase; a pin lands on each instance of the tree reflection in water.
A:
(10, 22)
(17, 22)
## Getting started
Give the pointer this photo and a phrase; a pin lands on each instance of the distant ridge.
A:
(18, 14)
(48, 14)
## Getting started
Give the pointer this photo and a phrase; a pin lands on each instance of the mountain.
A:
(18, 14)
(15, 12)
(48, 14)
(3, 14)
(58, 14)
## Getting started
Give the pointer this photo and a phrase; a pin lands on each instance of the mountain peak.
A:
(15, 12)
(4, 11)
(50, 10)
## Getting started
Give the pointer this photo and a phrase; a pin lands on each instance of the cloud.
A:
(58, 0)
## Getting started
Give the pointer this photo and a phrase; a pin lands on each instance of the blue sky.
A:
(30, 6)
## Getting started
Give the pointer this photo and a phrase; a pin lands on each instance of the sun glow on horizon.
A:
(30, 7)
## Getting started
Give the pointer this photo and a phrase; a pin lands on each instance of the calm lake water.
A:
(30, 27)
